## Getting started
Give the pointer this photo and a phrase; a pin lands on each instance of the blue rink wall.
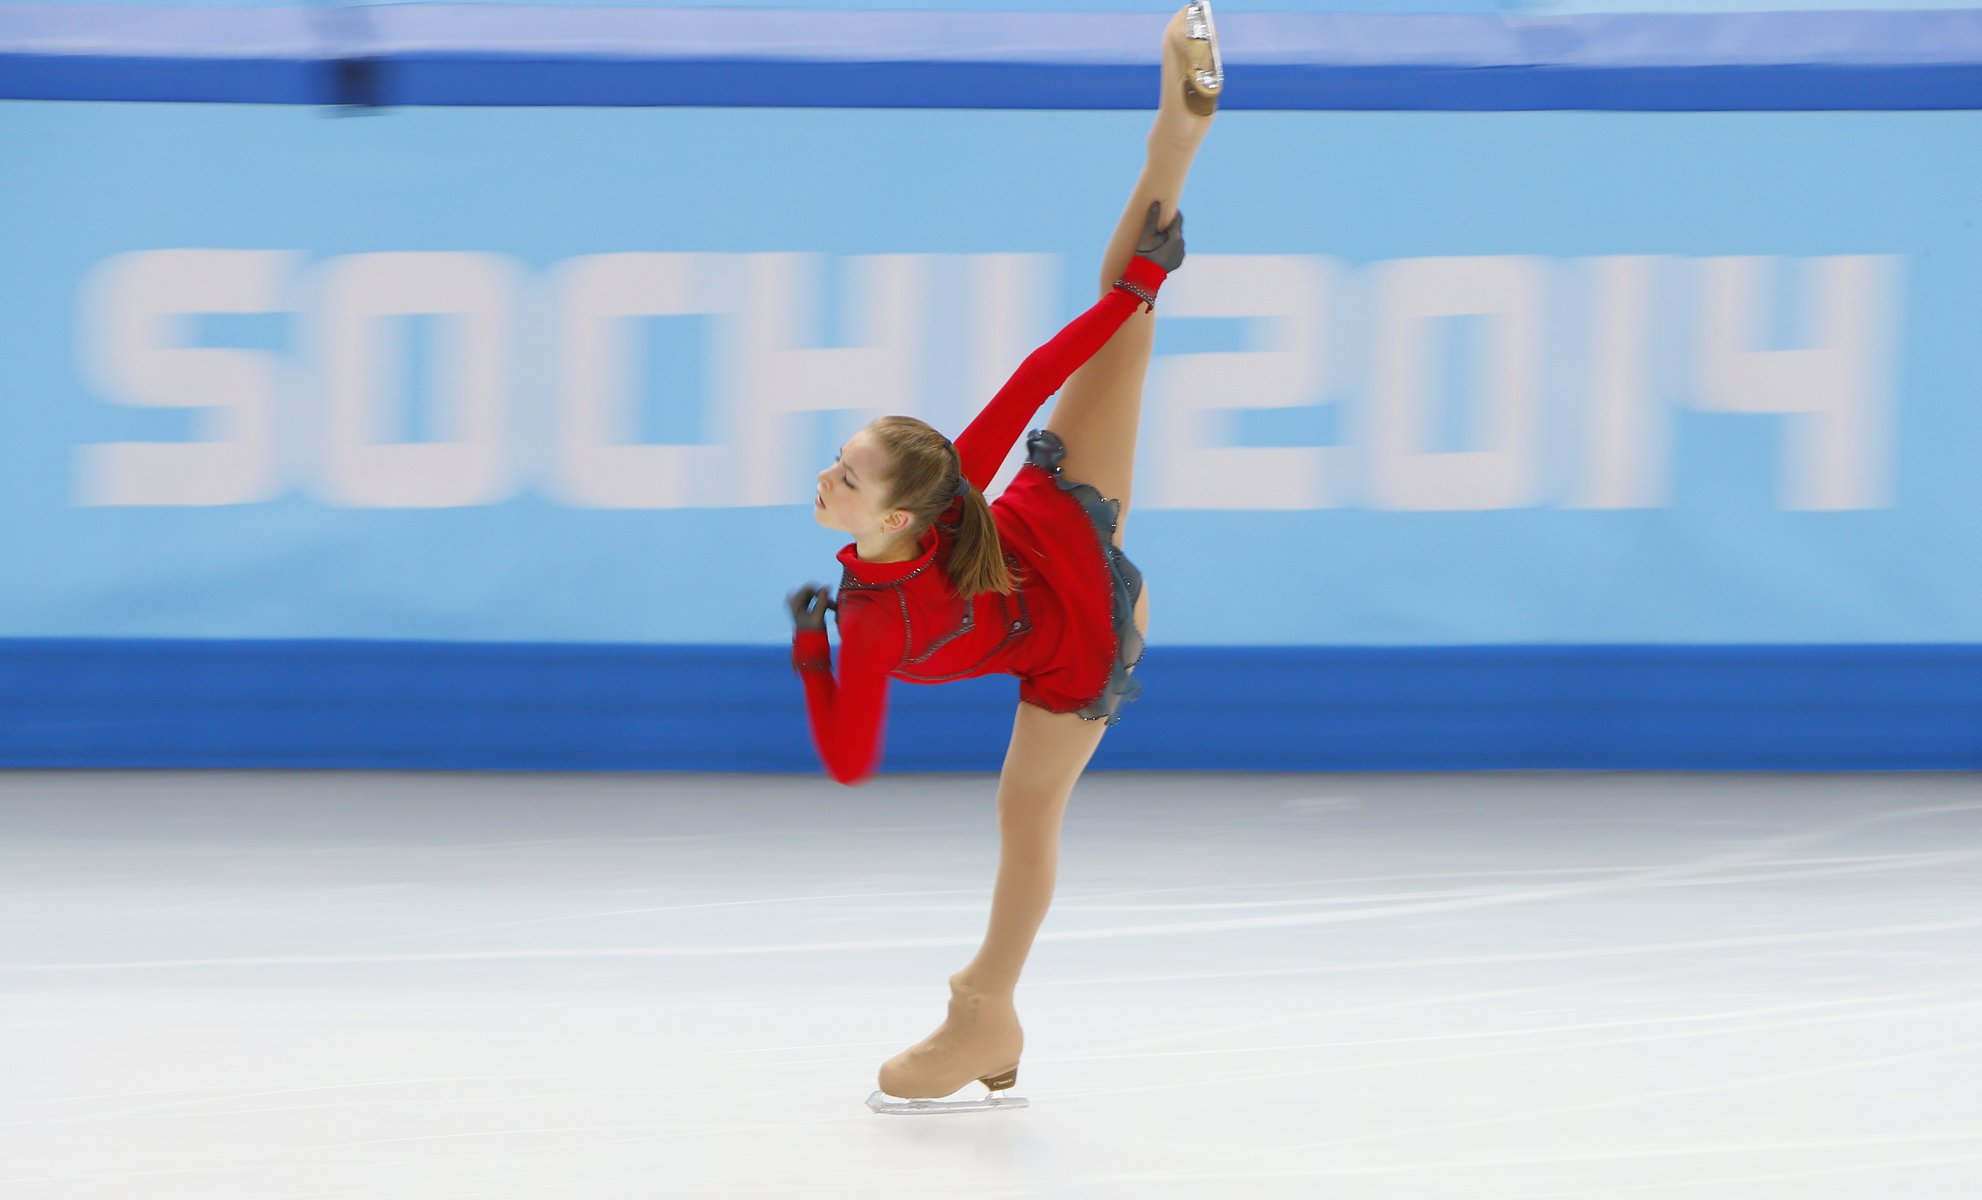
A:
(1613, 409)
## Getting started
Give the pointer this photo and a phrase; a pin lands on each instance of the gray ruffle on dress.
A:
(1043, 448)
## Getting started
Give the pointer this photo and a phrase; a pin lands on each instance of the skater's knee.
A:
(1029, 820)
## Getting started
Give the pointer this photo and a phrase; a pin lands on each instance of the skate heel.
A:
(1002, 1080)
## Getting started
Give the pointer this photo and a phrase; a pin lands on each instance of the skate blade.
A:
(882, 1102)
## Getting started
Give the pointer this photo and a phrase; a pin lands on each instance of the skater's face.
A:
(852, 492)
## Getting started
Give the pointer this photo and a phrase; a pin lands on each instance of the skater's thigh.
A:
(1099, 413)
(1048, 753)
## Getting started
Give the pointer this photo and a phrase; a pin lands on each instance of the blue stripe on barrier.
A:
(504, 706)
(528, 55)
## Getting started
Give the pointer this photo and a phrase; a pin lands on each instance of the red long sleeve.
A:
(846, 715)
(994, 432)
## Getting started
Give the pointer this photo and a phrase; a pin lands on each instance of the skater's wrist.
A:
(810, 651)
(1145, 274)
(1142, 279)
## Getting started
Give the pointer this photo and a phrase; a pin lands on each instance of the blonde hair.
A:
(924, 482)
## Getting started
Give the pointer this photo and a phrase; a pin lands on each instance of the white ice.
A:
(1507, 986)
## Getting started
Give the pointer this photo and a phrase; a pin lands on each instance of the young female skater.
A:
(938, 585)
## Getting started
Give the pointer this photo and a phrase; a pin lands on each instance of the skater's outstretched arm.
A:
(847, 714)
(991, 436)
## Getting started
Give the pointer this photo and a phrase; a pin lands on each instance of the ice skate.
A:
(1204, 65)
(882, 1102)
(979, 1040)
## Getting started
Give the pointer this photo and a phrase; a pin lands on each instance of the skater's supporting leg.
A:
(981, 1031)
(1100, 408)
(1047, 755)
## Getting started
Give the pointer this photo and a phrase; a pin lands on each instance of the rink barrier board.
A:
(508, 706)
(415, 54)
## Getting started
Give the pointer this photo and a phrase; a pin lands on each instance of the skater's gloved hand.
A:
(1164, 247)
(808, 607)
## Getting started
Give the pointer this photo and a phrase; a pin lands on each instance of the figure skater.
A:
(939, 585)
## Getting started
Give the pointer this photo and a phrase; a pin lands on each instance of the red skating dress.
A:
(1067, 631)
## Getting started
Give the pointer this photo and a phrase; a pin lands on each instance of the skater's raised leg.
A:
(1100, 408)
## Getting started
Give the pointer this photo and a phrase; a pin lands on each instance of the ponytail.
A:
(927, 479)
(977, 561)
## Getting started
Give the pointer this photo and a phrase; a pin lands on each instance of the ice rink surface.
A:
(1508, 986)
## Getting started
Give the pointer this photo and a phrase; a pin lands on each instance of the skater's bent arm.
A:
(994, 432)
(846, 715)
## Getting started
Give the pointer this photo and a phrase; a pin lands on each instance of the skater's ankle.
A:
(965, 982)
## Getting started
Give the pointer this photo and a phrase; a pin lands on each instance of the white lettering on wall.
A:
(596, 464)
(1286, 298)
(769, 370)
(1003, 293)
(780, 372)
(1412, 296)
(136, 309)
(1626, 432)
(1833, 389)
(359, 339)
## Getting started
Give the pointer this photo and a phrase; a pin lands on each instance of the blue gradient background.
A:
(1720, 564)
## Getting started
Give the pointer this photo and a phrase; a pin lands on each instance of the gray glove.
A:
(808, 607)
(1164, 247)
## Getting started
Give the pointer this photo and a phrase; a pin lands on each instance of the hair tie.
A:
(963, 485)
